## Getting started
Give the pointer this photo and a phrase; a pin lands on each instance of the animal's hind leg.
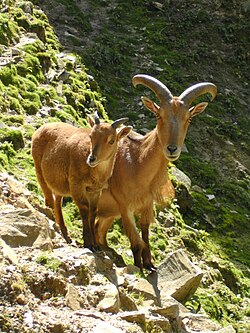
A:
(137, 244)
(59, 218)
(102, 226)
(101, 229)
(48, 195)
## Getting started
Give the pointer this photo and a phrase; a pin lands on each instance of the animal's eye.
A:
(111, 141)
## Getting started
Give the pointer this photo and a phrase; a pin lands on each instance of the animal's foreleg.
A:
(93, 202)
(131, 231)
(83, 205)
(59, 217)
(147, 217)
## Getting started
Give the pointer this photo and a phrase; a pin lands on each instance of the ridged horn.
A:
(160, 90)
(96, 118)
(118, 122)
(191, 93)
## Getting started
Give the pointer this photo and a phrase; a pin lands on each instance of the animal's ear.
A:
(91, 121)
(153, 107)
(198, 108)
(123, 131)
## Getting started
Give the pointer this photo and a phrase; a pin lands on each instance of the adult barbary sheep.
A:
(76, 162)
(140, 168)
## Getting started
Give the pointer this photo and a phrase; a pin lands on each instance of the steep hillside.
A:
(180, 43)
(43, 78)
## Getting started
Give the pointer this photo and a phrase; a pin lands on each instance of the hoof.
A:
(94, 248)
(68, 240)
(150, 267)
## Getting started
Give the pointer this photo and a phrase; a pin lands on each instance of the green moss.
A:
(221, 304)
(13, 120)
(3, 160)
(9, 31)
(8, 75)
(14, 104)
(64, 116)
(28, 131)
(49, 261)
(6, 153)
(29, 107)
(21, 19)
(30, 65)
(12, 136)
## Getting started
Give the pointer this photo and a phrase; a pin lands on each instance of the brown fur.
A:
(62, 157)
(140, 176)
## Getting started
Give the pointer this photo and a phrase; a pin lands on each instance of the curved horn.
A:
(118, 122)
(96, 118)
(161, 91)
(190, 94)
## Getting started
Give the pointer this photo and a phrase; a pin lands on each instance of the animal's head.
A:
(104, 139)
(174, 114)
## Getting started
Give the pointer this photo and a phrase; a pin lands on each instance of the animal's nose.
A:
(171, 148)
(92, 158)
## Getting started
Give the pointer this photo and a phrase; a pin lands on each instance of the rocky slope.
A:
(48, 286)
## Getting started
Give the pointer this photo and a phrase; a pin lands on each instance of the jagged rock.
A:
(7, 254)
(134, 317)
(144, 288)
(25, 227)
(13, 193)
(199, 323)
(111, 300)
(183, 186)
(170, 309)
(72, 298)
(77, 264)
(160, 322)
(127, 304)
(181, 177)
(177, 277)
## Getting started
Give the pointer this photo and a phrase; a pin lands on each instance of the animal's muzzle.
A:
(91, 160)
(172, 149)
(172, 152)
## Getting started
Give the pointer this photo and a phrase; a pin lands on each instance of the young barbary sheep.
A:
(76, 162)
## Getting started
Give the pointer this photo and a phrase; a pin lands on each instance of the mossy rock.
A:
(13, 120)
(9, 31)
(8, 75)
(12, 136)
